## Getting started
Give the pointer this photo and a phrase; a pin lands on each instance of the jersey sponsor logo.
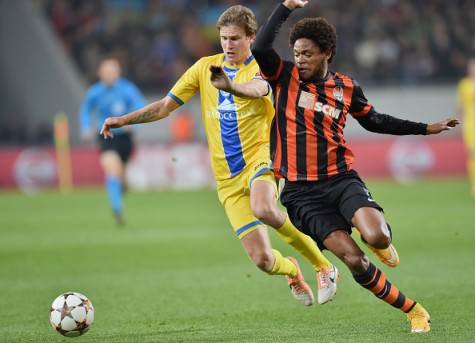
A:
(338, 93)
(228, 115)
(327, 109)
(308, 100)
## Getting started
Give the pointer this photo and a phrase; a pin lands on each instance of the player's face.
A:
(236, 45)
(310, 61)
(109, 71)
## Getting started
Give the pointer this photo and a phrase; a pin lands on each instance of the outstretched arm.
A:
(267, 58)
(383, 123)
(373, 121)
(153, 112)
(253, 89)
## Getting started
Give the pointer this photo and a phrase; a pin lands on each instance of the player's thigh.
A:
(112, 163)
(236, 203)
(263, 192)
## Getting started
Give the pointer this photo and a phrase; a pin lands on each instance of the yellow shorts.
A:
(235, 195)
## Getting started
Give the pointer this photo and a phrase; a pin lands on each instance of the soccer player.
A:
(323, 195)
(237, 126)
(466, 102)
(111, 95)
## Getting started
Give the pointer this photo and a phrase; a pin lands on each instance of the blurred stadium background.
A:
(151, 281)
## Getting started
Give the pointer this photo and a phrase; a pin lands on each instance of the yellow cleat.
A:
(388, 256)
(419, 318)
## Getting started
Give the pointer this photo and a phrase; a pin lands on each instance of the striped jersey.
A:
(307, 134)
(237, 129)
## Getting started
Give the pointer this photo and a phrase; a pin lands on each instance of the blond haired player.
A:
(466, 101)
(237, 124)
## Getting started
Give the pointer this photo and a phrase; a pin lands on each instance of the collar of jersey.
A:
(229, 67)
(325, 79)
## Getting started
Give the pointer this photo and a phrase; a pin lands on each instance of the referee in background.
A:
(111, 95)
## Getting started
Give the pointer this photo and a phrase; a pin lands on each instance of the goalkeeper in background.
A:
(111, 95)
(237, 120)
(466, 102)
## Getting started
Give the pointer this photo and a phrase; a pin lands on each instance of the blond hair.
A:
(240, 16)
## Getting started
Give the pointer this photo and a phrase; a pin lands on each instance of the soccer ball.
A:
(71, 314)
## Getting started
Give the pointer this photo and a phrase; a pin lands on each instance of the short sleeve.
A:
(188, 84)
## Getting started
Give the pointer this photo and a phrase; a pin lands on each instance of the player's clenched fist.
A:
(110, 123)
(293, 4)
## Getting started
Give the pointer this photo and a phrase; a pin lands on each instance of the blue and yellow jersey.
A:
(237, 129)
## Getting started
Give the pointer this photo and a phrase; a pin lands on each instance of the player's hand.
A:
(443, 125)
(110, 123)
(219, 79)
(293, 4)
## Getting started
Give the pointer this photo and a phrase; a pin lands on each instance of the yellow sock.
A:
(471, 173)
(282, 265)
(303, 244)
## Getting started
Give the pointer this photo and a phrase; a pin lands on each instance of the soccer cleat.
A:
(326, 284)
(119, 218)
(388, 256)
(419, 318)
(298, 287)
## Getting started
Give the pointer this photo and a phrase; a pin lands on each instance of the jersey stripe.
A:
(322, 142)
(329, 127)
(177, 99)
(348, 154)
(338, 130)
(290, 112)
(229, 128)
(282, 126)
(311, 138)
(301, 139)
(276, 141)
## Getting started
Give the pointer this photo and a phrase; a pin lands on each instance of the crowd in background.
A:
(380, 41)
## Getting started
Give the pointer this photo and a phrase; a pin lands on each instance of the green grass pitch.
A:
(177, 273)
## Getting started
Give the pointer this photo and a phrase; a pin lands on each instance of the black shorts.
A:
(121, 143)
(321, 207)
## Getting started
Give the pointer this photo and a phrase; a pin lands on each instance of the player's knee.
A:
(380, 238)
(266, 213)
(356, 262)
(263, 260)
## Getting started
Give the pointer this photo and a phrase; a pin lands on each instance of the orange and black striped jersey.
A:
(307, 133)
(307, 141)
